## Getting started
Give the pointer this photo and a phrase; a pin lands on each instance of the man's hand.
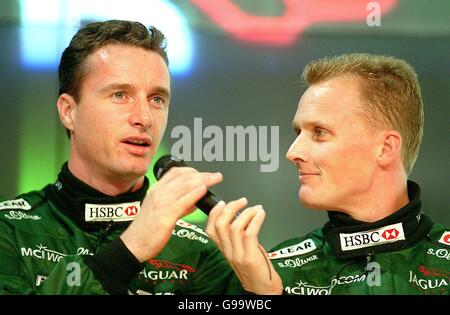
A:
(237, 238)
(171, 198)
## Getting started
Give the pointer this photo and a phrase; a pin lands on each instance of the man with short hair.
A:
(97, 230)
(358, 130)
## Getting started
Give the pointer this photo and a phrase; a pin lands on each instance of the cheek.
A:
(98, 127)
(342, 162)
(355, 163)
(159, 126)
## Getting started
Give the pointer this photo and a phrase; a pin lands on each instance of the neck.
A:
(109, 185)
(402, 229)
(382, 199)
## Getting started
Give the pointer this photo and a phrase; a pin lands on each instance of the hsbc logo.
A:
(387, 234)
(445, 238)
(113, 212)
(131, 210)
(390, 234)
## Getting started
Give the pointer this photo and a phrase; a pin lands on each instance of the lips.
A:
(304, 176)
(138, 141)
(307, 173)
(139, 145)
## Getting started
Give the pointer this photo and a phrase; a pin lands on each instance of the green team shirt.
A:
(404, 253)
(45, 249)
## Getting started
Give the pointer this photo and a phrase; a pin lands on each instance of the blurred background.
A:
(233, 62)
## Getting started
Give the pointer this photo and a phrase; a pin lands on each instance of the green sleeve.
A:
(215, 275)
(70, 276)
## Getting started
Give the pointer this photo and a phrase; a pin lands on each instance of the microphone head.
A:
(166, 162)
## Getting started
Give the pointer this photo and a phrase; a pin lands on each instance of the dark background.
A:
(237, 82)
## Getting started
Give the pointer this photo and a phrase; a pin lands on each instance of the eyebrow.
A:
(126, 86)
(310, 123)
(163, 91)
(115, 86)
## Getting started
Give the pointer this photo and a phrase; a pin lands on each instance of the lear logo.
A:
(298, 249)
(114, 212)
(445, 238)
(387, 234)
(21, 204)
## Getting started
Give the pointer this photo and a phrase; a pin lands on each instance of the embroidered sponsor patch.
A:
(190, 231)
(19, 215)
(296, 262)
(298, 249)
(111, 212)
(193, 227)
(21, 204)
(445, 238)
(386, 234)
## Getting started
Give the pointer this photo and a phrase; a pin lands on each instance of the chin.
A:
(308, 200)
(141, 171)
(135, 170)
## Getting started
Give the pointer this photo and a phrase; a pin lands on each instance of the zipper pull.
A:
(103, 234)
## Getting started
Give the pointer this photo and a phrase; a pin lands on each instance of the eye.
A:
(297, 131)
(158, 100)
(319, 132)
(120, 95)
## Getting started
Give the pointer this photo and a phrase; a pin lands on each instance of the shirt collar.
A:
(352, 238)
(90, 208)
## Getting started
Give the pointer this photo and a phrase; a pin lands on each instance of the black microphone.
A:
(168, 161)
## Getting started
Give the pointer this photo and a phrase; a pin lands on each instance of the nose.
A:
(141, 116)
(296, 152)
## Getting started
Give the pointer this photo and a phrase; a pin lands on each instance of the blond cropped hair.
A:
(389, 91)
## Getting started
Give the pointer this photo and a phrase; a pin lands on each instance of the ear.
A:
(390, 148)
(67, 108)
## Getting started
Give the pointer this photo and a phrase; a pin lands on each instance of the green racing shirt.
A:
(64, 239)
(404, 253)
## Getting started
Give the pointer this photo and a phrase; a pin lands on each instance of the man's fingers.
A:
(250, 238)
(237, 230)
(175, 172)
(182, 174)
(222, 224)
(166, 194)
(210, 225)
(188, 200)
